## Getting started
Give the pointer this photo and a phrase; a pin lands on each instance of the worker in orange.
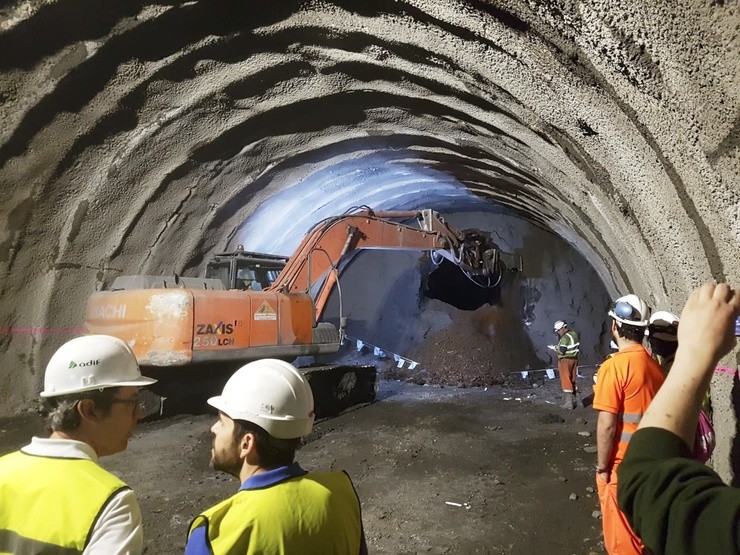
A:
(54, 496)
(567, 350)
(628, 381)
(280, 509)
(682, 507)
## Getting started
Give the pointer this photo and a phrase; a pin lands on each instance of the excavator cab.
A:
(245, 271)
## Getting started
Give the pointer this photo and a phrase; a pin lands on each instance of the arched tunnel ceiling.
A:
(138, 137)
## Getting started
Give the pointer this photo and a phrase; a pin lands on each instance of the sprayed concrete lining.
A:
(141, 137)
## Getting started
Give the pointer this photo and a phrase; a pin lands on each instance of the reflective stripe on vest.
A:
(12, 542)
(318, 513)
(50, 505)
(630, 420)
(571, 344)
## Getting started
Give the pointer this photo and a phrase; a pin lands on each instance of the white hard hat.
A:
(630, 310)
(663, 325)
(557, 326)
(92, 362)
(272, 394)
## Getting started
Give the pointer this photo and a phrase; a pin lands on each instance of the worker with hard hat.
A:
(54, 497)
(678, 505)
(662, 334)
(265, 409)
(628, 381)
(567, 350)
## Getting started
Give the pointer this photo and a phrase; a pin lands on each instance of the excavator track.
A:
(186, 390)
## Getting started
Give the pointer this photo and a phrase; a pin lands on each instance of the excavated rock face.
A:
(141, 137)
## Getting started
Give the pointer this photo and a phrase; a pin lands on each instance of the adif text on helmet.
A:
(92, 362)
(272, 394)
(630, 310)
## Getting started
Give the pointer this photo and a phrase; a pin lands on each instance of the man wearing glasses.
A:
(627, 383)
(54, 497)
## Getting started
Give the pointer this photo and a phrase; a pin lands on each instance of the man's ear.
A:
(87, 410)
(247, 445)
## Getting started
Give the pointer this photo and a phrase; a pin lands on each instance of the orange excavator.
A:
(252, 305)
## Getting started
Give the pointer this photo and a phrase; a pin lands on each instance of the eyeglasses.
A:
(626, 311)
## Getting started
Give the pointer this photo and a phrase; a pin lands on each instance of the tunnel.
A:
(598, 140)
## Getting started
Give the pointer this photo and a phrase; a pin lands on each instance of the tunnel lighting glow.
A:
(279, 223)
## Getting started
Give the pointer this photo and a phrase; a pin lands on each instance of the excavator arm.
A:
(318, 255)
(216, 318)
(224, 318)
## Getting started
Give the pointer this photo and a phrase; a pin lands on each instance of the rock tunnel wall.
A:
(139, 137)
(383, 299)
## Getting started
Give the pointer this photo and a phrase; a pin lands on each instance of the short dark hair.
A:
(271, 451)
(61, 413)
(631, 333)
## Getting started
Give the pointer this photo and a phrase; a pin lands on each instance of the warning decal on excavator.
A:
(265, 312)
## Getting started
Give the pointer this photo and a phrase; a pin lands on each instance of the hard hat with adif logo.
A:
(630, 310)
(272, 394)
(92, 362)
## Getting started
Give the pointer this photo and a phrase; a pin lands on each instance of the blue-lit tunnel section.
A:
(381, 181)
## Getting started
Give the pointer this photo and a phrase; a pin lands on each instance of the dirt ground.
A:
(438, 469)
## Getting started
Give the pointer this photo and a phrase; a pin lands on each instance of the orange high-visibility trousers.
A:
(567, 368)
(619, 539)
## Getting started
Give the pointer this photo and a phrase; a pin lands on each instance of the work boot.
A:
(569, 401)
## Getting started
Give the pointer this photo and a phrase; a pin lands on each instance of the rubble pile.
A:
(479, 348)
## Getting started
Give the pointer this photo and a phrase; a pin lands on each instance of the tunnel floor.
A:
(507, 455)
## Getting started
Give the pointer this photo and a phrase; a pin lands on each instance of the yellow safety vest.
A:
(314, 514)
(571, 344)
(50, 505)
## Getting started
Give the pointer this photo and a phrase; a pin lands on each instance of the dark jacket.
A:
(676, 505)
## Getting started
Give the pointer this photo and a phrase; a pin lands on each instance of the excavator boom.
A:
(252, 305)
(320, 252)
